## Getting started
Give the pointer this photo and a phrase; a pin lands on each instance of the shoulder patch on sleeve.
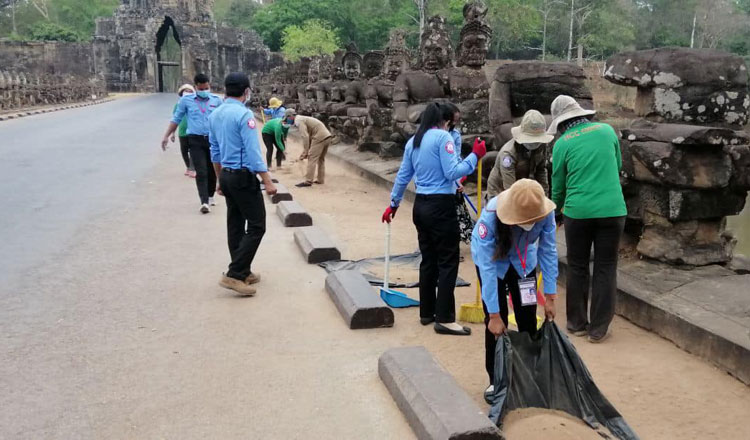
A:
(507, 161)
(482, 229)
(251, 123)
(450, 148)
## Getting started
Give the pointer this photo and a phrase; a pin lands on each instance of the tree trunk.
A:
(580, 54)
(692, 34)
(13, 15)
(570, 35)
(422, 9)
(544, 38)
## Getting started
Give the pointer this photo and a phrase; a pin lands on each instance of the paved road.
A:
(112, 324)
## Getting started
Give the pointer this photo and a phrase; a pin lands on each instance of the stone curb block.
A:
(282, 194)
(315, 245)
(433, 403)
(50, 110)
(293, 215)
(358, 303)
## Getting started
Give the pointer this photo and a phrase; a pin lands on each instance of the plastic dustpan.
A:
(396, 299)
(393, 298)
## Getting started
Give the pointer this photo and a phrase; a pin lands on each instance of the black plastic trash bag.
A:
(546, 372)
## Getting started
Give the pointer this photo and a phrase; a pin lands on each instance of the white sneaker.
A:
(205, 209)
(211, 201)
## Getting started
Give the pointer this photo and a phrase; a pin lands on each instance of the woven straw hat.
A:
(274, 103)
(524, 202)
(533, 129)
(185, 87)
(563, 108)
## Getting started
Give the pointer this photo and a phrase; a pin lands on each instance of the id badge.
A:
(528, 291)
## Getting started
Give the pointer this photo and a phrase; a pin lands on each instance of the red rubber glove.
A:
(463, 180)
(480, 149)
(389, 213)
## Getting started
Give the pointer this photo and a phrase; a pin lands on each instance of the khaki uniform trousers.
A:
(317, 157)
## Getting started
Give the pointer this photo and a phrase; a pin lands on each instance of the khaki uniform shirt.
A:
(516, 162)
(312, 130)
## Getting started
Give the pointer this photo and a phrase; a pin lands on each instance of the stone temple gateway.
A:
(155, 45)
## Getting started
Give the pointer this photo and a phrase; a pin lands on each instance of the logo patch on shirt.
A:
(482, 231)
(251, 123)
(507, 161)
(450, 148)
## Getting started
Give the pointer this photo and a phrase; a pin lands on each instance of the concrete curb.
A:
(282, 194)
(292, 214)
(22, 113)
(315, 245)
(357, 301)
(433, 403)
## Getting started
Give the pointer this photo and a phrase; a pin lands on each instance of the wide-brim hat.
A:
(185, 87)
(274, 103)
(524, 202)
(564, 108)
(533, 129)
(289, 113)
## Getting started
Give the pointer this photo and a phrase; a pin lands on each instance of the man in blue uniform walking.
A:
(237, 160)
(198, 108)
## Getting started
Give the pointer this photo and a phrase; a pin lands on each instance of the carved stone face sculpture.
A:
(435, 48)
(373, 62)
(314, 71)
(352, 66)
(475, 36)
(396, 56)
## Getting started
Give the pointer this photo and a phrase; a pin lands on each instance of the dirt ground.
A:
(539, 424)
(662, 391)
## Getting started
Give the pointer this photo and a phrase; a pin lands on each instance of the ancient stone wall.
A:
(40, 73)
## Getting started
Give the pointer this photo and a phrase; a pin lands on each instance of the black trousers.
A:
(525, 315)
(605, 234)
(184, 152)
(438, 235)
(205, 178)
(270, 141)
(246, 219)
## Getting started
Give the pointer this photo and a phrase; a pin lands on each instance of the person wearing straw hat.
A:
(586, 164)
(515, 232)
(276, 110)
(185, 89)
(522, 157)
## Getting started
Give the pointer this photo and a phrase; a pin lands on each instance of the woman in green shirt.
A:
(182, 133)
(274, 134)
(586, 163)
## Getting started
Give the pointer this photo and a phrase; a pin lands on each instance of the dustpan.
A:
(393, 298)
(540, 300)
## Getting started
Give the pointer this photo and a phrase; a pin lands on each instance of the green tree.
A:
(314, 37)
(239, 14)
(47, 31)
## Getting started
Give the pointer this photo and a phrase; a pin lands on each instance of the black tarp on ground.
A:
(413, 259)
(546, 372)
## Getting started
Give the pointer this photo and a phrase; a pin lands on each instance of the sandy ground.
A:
(538, 424)
(662, 391)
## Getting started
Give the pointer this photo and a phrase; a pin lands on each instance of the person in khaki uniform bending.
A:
(522, 157)
(316, 140)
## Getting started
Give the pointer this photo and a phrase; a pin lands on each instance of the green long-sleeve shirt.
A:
(275, 128)
(182, 128)
(586, 163)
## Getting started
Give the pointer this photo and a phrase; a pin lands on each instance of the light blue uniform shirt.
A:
(435, 166)
(197, 110)
(483, 251)
(234, 138)
(456, 135)
(275, 113)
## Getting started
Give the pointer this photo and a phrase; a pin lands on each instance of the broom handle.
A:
(479, 211)
(387, 255)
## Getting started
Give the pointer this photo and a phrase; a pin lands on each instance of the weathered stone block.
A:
(293, 215)
(740, 155)
(694, 243)
(643, 130)
(435, 406)
(679, 205)
(357, 301)
(390, 149)
(315, 245)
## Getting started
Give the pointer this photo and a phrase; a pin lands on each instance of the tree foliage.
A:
(314, 37)
(63, 20)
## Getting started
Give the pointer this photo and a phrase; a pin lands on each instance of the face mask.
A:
(205, 94)
(247, 97)
(187, 93)
(532, 146)
(527, 226)
(285, 125)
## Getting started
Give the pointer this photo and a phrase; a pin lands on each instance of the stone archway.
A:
(168, 57)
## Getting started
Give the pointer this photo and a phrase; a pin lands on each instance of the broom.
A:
(473, 312)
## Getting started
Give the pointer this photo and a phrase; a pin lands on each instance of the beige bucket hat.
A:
(533, 129)
(563, 108)
(185, 87)
(524, 202)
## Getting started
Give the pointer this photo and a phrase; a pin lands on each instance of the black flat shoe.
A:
(443, 330)
(426, 321)
(303, 185)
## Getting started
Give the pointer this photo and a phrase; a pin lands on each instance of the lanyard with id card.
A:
(526, 285)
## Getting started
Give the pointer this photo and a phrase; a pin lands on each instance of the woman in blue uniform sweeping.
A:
(433, 159)
(514, 234)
